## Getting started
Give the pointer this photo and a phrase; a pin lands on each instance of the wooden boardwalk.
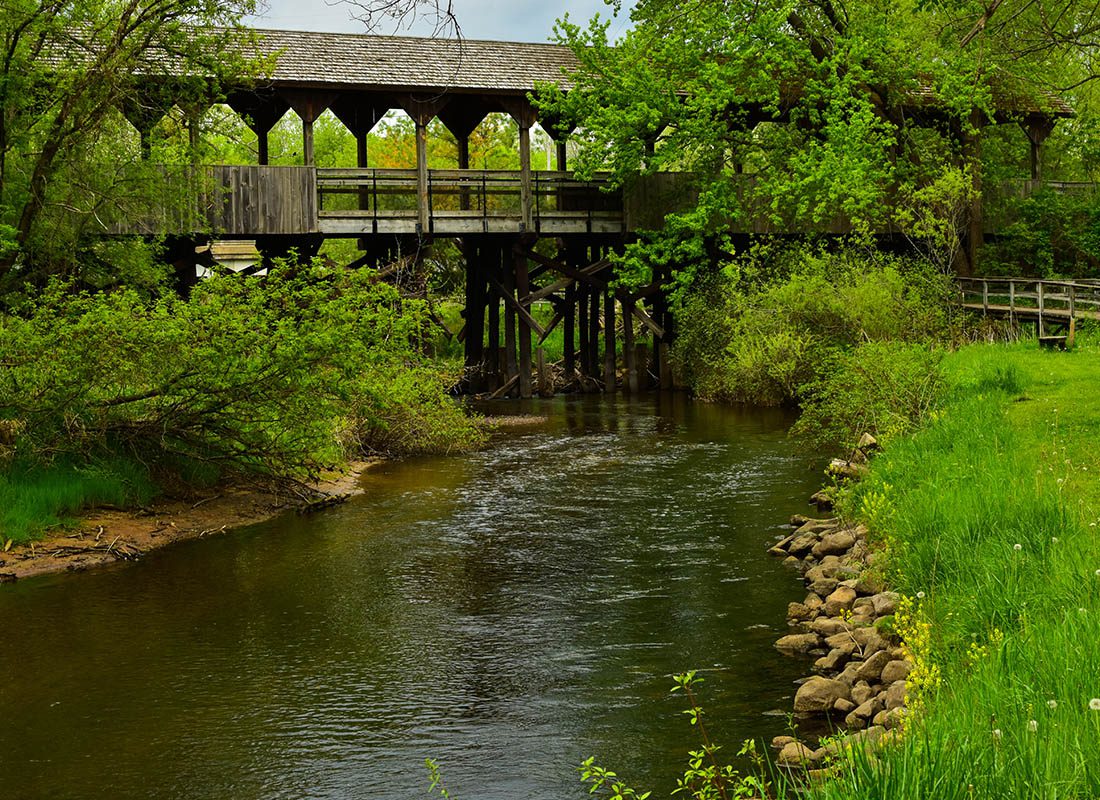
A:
(1042, 302)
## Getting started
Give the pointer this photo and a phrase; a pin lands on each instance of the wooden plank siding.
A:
(229, 201)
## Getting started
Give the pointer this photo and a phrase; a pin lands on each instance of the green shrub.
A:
(262, 375)
(765, 332)
(884, 388)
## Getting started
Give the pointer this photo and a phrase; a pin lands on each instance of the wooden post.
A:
(545, 389)
(562, 158)
(509, 320)
(985, 297)
(581, 293)
(664, 366)
(569, 337)
(262, 155)
(594, 332)
(493, 353)
(475, 316)
(526, 204)
(463, 163)
(1071, 337)
(1011, 298)
(629, 351)
(423, 212)
(1042, 328)
(522, 290)
(609, 377)
(307, 143)
(1072, 301)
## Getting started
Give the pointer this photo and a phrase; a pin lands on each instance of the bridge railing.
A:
(462, 194)
(1031, 298)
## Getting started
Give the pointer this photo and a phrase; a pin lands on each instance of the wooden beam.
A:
(646, 320)
(609, 342)
(582, 274)
(522, 290)
(517, 308)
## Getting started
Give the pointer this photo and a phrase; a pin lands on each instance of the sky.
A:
(505, 20)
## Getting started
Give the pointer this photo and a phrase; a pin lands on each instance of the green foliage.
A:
(279, 376)
(68, 71)
(705, 778)
(887, 389)
(1054, 234)
(992, 515)
(770, 331)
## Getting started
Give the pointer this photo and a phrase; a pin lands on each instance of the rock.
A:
(779, 742)
(795, 643)
(801, 543)
(868, 584)
(819, 694)
(846, 469)
(868, 709)
(822, 501)
(792, 561)
(848, 677)
(833, 661)
(871, 669)
(895, 671)
(840, 600)
(841, 639)
(861, 693)
(863, 605)
(813, 601)
(869, 640)
(892, 718)
(854, 721)
(894, 697)
(798, 520)
(844, 706)
(834, 544)
(862, 618)
(799, 612)
(828, 626)
(885, 603)
(868, 443)
(795, 753)
(824, 587)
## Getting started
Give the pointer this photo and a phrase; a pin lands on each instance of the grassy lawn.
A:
(990, 520)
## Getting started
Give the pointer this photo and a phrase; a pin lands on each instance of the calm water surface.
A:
(506, 613)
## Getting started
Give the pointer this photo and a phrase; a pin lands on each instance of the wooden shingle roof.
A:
(363, 61)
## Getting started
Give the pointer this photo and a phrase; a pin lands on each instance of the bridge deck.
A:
(1032, 300)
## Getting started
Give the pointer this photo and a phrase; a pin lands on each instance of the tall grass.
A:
(989, 514)
(35, 499)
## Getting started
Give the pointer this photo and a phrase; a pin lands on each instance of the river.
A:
(506, 613)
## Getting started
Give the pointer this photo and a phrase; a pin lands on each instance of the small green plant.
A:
(705, 777)
(436, 778)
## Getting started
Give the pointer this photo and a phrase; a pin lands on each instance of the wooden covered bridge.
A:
(497, 216)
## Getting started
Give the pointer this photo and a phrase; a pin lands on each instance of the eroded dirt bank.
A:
(104, 537)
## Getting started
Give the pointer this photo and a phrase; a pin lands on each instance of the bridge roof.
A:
(364, 61)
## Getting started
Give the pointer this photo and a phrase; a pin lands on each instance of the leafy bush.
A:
(884, 388)
(279, 376)
(772, 328)
(1054, 234)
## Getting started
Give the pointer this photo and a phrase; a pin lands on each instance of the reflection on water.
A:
(506, 613)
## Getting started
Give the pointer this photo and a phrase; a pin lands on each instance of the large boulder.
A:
(795, 754)
(834, 544)
(840, 600)
(894, 697)
(871, 669)
(819, 695)
(885, 603)
(829, 626)
(895, 671)
(798, 643)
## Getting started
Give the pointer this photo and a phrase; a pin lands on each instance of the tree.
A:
(67, 68)
(799, 111)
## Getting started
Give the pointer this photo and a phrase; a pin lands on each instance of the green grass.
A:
(991, 513)
(32, 500)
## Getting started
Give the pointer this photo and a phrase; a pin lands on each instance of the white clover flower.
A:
(997, 733)
(1052, 704)
(1094, 704)
(1054, 539)
(920, 595)
(1033, 725)
(1017, 547)
(1097, 573)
